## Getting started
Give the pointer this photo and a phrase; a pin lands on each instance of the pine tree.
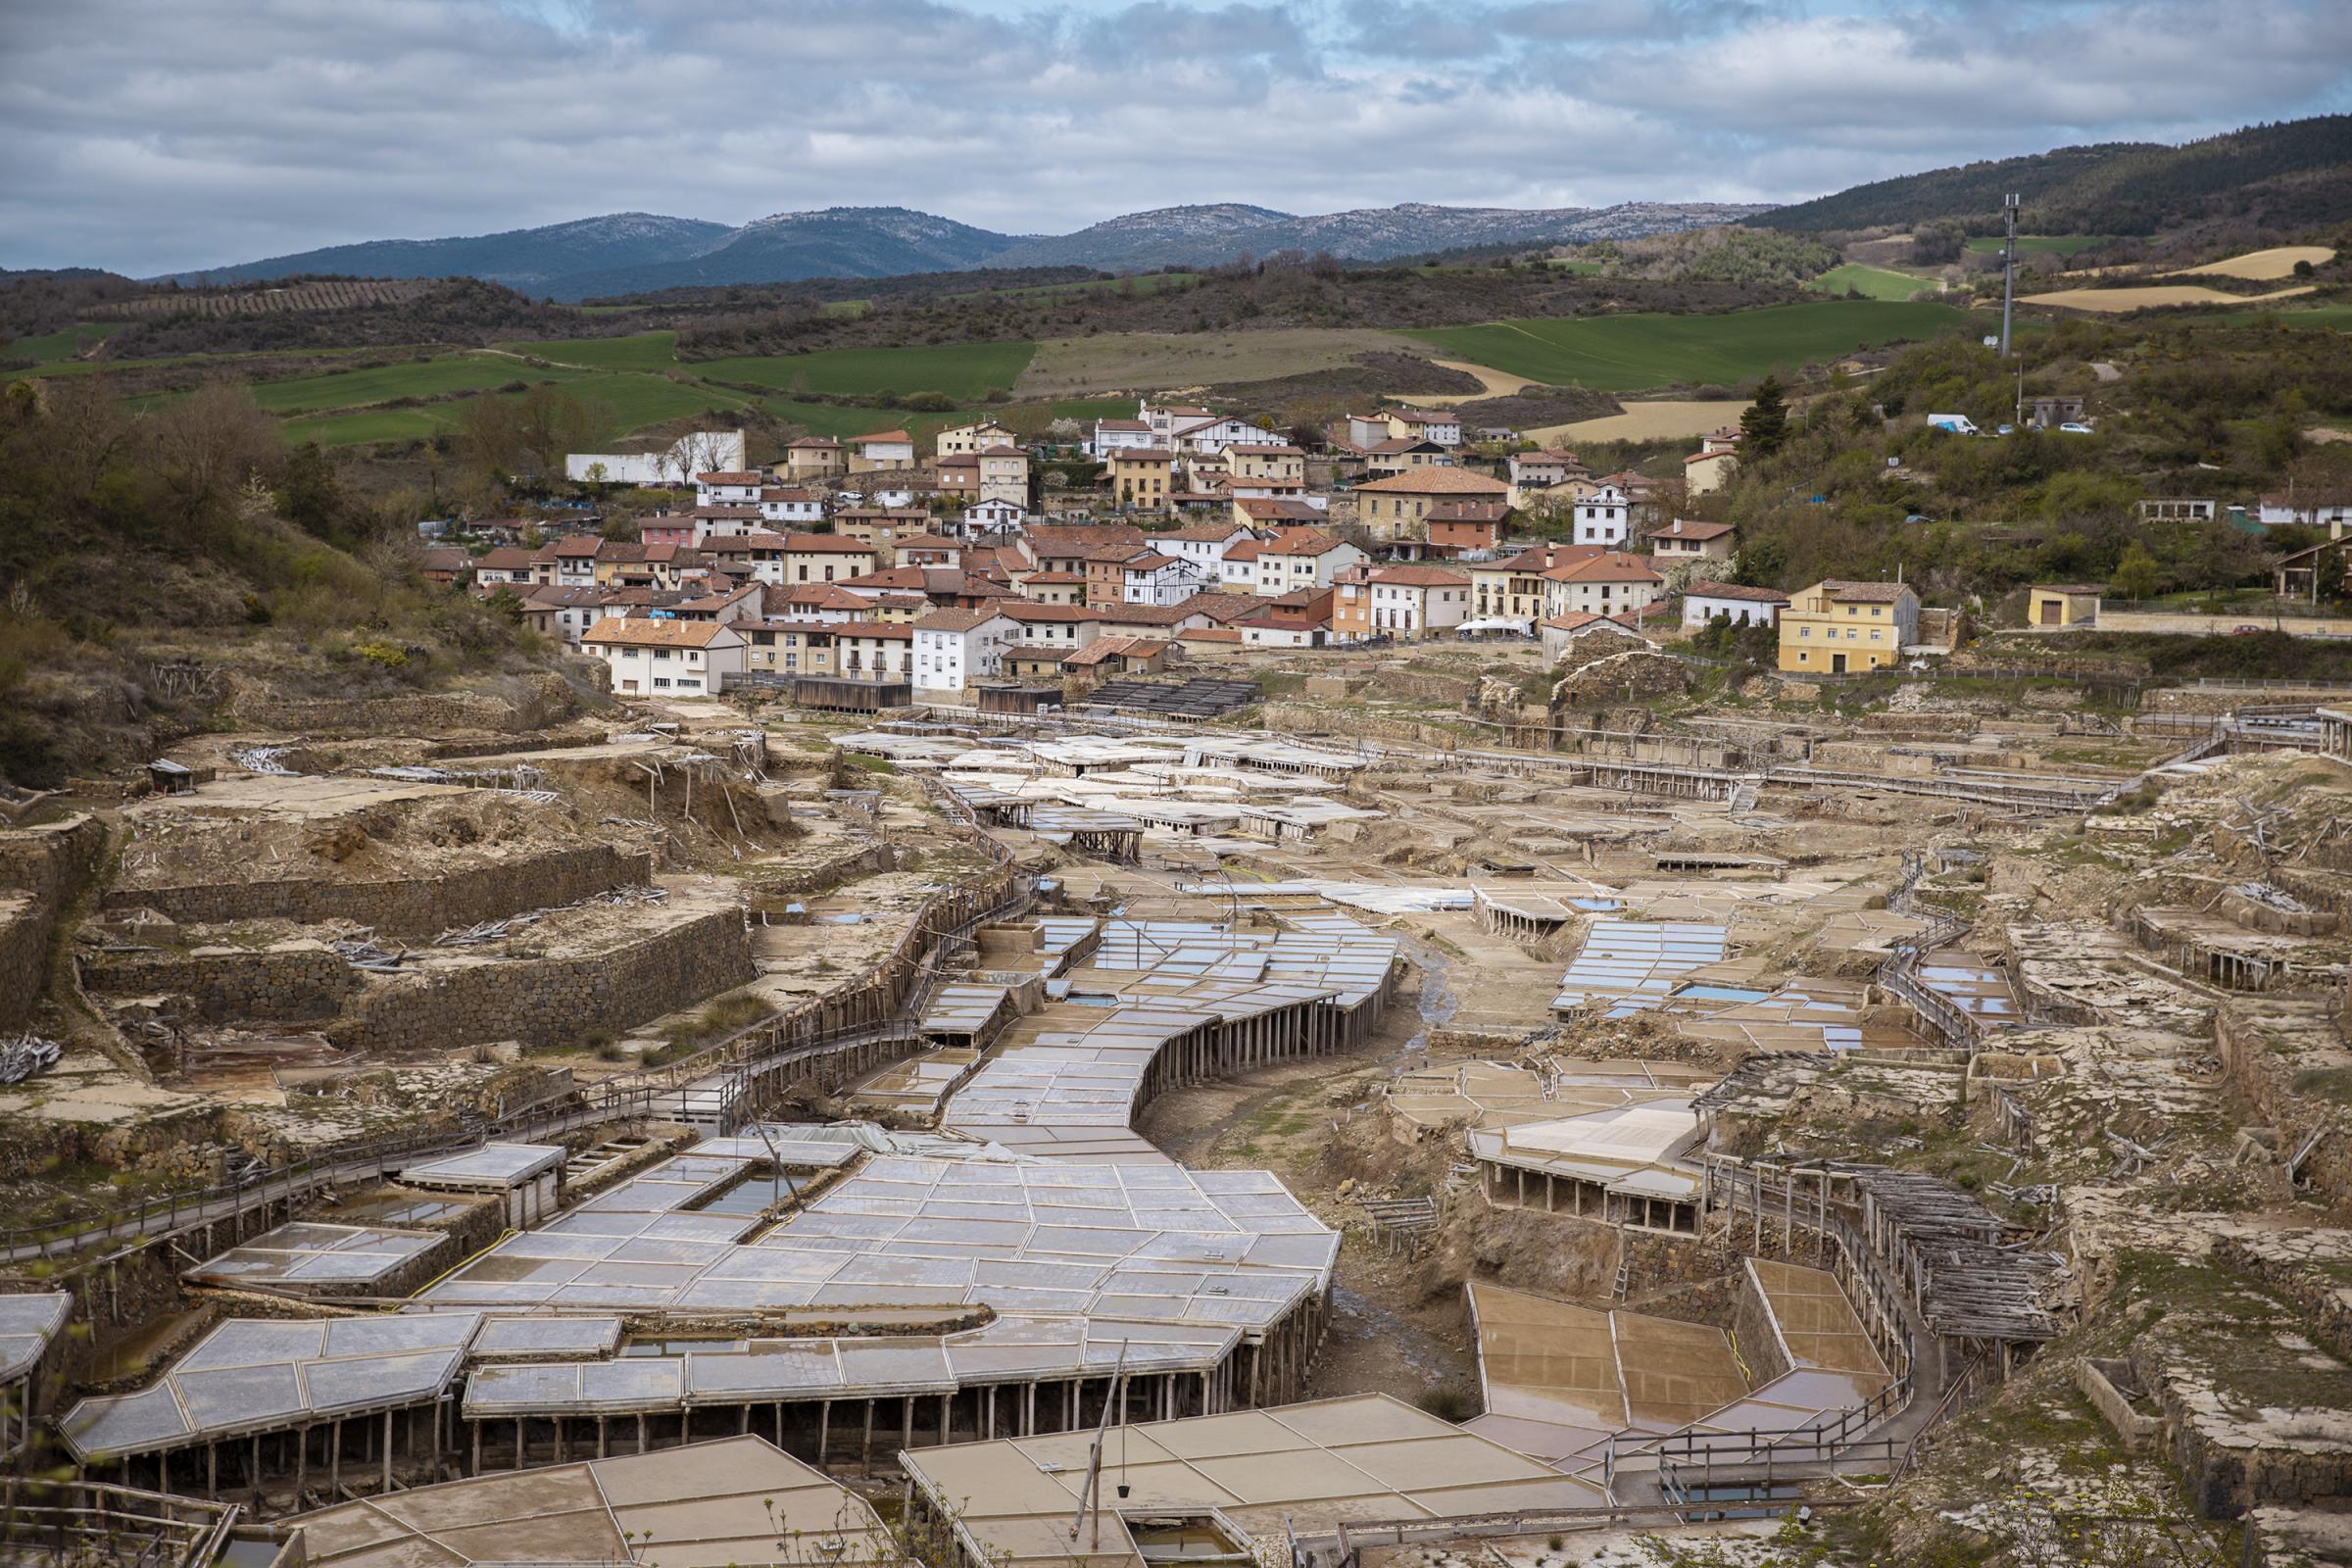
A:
(1765, 425)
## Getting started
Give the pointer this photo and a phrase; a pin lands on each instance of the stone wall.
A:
(44, 866)
(2183, 625)
(553, 1001)
(2268, 1048)
(408, 906)
(530, 703)
(2224, 699)
(285, 982)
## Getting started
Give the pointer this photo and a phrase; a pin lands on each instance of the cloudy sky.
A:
(144, 136)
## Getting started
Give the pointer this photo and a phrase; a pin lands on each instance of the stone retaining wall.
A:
(2264, 1053)
(409, 907)
(553, 1001)
(290, 981)
(534, 704)
(46, 865)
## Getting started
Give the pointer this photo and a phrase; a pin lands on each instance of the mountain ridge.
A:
(628, 253)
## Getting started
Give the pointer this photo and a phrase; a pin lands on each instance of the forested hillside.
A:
(2298, 173)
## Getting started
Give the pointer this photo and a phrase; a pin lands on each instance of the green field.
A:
(62, 345)
(1634, 353)
(1582, 268)
(2039, 244)
(644, 351)
(371, 425)
(963, 371)
(841, 423)
(1872, 283)
(622, 402)
(431, 378)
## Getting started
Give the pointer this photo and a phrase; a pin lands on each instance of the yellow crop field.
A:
(1663, 420)
(2153, 296)
(2261, 266)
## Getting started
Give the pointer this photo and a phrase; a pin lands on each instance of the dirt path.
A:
(1497, 384)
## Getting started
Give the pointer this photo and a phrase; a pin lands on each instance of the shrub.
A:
(383, 655)
(1449, 1401)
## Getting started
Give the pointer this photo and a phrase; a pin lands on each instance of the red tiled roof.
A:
(1411, 576)
(1435, 481)
(1610, 565)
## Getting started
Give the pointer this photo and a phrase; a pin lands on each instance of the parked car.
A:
(2071, 427)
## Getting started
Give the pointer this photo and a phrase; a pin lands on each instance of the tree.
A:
(209, 443)
(1764, 427)
(2134, 576)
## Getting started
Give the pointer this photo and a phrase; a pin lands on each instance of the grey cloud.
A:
(152, 138)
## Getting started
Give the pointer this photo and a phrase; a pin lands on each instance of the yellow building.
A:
(1839, 628)
(1140, 476)
(1395, 508)
(1005, 475)
(2071, 603)
(966, 440)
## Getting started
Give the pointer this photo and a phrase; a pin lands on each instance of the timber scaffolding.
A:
(1682, 781)
(100, 1524)
(1898, 974)
(1922, 1261)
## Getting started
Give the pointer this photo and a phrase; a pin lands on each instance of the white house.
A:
(1217, 433)
(1601, 516)
(1410, 602)
(1237, 567)
(793, 508)
(666, 658)
(1163, 421)
(2332, 511)
(1163, 580)
(1703, 601)
(954, 647)
(1302, 558)
(1202, 543)
(1445, 429)
(1116, 435)
(727, 487)
(1606, 583)
(993, 517)
(702, 452)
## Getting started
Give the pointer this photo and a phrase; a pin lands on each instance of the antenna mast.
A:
(2008, 269)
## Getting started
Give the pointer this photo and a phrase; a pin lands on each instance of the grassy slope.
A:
(60, 344)
(352, 389)
(2039, 244)
(1874, 282)
(1632, 353)
(962, 371)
